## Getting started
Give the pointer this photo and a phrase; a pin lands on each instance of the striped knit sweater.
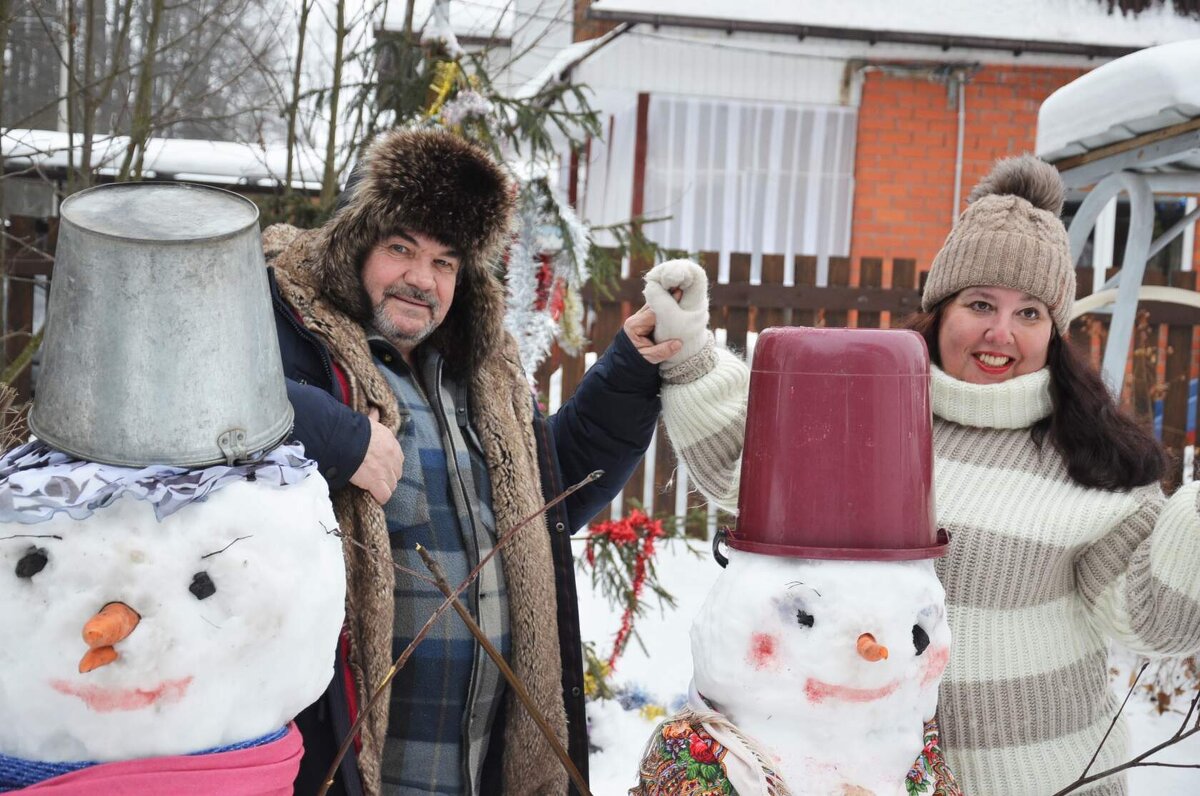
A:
(1041, 572)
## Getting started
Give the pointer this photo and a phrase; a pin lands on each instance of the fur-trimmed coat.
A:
(527, 460)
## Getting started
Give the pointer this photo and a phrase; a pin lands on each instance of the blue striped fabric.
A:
(443, 700)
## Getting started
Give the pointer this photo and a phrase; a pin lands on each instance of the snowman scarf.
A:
(700, 751)
(266, 766)
(37, 482)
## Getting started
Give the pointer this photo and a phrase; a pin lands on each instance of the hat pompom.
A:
(1025, 176)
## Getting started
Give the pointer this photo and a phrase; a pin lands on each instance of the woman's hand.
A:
(677, 293)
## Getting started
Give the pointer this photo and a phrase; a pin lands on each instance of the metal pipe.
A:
(958, 152)
(944, 41)
(1179, 226)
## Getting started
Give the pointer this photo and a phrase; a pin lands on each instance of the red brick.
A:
(907, 136)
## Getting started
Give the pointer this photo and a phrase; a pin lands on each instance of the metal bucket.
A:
(160, 342)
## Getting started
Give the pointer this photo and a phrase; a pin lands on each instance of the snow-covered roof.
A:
(1147, 90)
(1069, 23)
(219, 162)
(481, 20)
(564, 60)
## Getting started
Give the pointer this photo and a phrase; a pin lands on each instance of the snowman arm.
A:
(1141, 580)
(333, 434)
(704, 411)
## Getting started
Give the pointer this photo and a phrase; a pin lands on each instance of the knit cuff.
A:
(694, 367)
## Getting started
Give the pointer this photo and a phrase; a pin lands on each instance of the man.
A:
(410, 396)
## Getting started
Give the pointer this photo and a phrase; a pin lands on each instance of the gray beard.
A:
(405, 341)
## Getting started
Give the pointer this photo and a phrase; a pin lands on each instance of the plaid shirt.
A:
(444, 701)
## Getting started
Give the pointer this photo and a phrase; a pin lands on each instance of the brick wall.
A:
(589, 28)
(907, 134)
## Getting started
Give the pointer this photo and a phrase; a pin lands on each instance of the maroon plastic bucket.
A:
(838, 460)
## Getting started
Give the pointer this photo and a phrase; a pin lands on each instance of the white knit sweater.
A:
(1041, 571)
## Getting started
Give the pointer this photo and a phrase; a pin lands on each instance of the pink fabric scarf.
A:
(266, 770)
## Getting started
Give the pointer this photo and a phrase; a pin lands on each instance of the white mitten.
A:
(685, 320)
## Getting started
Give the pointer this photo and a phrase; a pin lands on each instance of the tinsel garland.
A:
(546, 270)
(533, 328)
(445, 75)
(467, 104)
(572, 263)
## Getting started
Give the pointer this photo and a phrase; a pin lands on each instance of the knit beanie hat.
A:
(1010, 236)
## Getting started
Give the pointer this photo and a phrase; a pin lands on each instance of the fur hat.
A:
(438, 184)
(1010, 236)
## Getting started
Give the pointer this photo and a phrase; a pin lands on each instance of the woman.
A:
(1062, 538)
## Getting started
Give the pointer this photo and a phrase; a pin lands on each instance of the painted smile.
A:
(109, 700)
(818, 691)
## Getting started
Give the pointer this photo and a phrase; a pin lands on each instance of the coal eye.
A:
(202, 586)
(920, 639)
(805, 618)
(33, 562)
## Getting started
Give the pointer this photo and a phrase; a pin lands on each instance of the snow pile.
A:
(1144, 91)
(240, 602)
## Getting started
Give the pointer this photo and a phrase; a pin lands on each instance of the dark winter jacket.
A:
(606, 425)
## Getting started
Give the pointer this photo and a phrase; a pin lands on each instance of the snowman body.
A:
(239, 601)
(831, 667)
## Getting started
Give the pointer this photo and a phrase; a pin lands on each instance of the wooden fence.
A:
(874, 293)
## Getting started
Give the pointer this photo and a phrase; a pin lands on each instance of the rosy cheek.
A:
(935, 663)
(762, 651)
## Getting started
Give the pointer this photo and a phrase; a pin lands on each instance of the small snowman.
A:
(165, 620)
(819, 650)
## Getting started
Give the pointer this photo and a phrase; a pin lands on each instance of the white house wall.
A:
(605, 190)
(730, 177)
(755, 178)
(645, 62)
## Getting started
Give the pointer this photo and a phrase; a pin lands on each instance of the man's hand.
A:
(383, 465)
(677, 293)
(640, 328)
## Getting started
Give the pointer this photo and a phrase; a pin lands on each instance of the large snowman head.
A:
(847, 640)
(235, 604)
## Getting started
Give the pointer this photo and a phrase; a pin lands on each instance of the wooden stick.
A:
(1113, 723)
(331, 774)
(1182, 734)
(518, 687)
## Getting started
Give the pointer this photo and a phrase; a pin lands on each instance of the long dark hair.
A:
(1102, 446)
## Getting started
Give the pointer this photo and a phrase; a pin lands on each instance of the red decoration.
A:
(629, 531)
(551, 290)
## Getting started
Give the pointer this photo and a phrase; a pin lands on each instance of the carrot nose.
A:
(870, 649)
(114, 622)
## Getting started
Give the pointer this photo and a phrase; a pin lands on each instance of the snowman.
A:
(818, 652)
(163, 622)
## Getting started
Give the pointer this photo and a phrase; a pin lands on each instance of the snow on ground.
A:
(661, 673)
